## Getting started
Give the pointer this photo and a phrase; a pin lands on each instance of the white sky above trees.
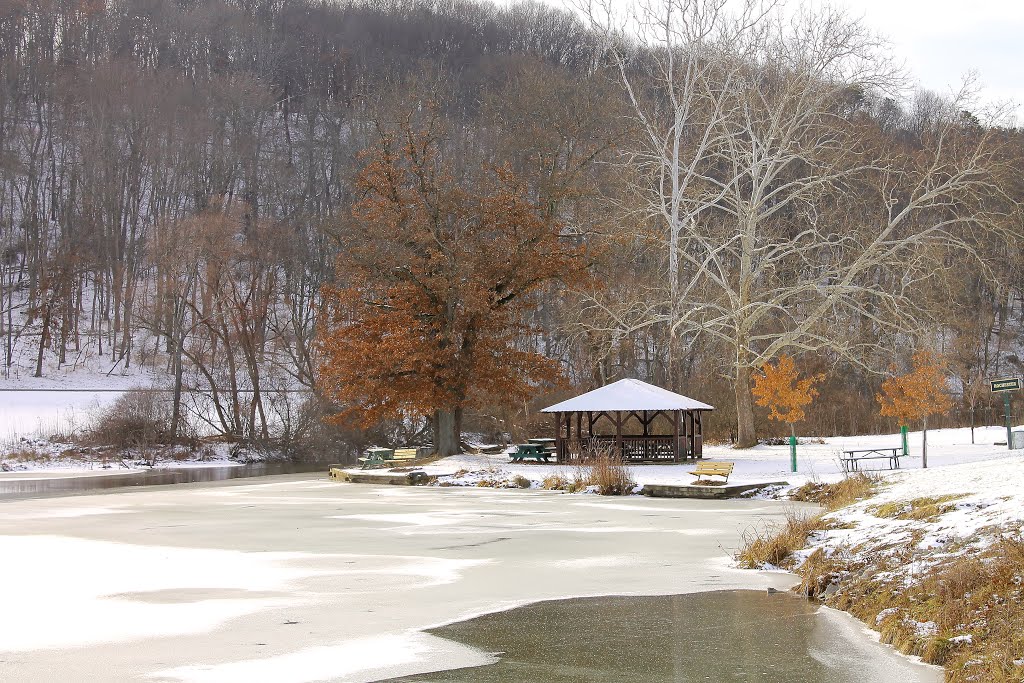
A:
(942, 40)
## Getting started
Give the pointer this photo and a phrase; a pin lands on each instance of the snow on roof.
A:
(627, 394)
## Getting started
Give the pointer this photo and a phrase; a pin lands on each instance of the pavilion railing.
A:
(634, 448)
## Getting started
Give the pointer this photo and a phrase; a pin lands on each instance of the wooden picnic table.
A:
(851, 458)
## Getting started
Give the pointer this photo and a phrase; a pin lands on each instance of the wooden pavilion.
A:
(651, 424)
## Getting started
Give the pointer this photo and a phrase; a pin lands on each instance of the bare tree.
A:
(766, 252)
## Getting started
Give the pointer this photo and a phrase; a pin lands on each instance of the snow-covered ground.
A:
(815, 461)
(53, 458)
(982, 496)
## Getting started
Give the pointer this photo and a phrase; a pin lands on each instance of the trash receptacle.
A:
(1017, 440)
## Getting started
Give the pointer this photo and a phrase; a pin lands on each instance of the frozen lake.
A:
(294, 578)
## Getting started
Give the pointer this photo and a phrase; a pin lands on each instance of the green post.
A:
(792, 453)
(1006, 412)
(903, 433)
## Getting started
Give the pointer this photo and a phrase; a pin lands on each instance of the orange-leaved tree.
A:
(779, 388)
(436, 276)
(918, 394)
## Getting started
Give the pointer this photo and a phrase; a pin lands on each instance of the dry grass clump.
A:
(521, 482)
(18, 458)
(845, 492)
(554, 482)
(603, 470)
(497, 482)
(580, 481)
(26, 455)
(924, 509)
(774, 545)
(610, 475)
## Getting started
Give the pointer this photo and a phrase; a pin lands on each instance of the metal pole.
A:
(903, 433)
(792, 453)
(1006, 412)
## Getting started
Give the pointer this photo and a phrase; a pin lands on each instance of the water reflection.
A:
(62, 486)
(725, 637)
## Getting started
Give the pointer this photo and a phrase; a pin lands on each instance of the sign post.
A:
(1004, 385)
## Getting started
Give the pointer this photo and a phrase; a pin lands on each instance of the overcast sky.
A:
(941, 40)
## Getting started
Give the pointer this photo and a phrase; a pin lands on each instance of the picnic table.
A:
(852, 458)
(530, 450)
(545, 443)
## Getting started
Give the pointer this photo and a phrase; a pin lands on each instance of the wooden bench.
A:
(386, 456)
(713, 469)
(851, 459)
(405, 454)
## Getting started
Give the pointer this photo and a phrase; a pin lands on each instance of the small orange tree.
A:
(437, 276)
(918, 394)
(779, 389)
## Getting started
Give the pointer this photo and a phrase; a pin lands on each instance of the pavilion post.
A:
(685, 431)
(675, 436)
(691, 433)
(568, 430)
(618, 434)
(558, 437)
(698, 436)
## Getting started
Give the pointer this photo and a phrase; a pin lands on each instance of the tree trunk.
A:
(447, 432)
(974, 420)
(745, 434)
(924, 444)
(177, 335)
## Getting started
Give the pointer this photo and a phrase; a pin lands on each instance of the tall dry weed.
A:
(608, 472)
(775, 545)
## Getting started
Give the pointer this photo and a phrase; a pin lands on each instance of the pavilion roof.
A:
(627, 394)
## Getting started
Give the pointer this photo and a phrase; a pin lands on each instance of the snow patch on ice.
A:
(90, 582)
(595, 562)
(363, 659)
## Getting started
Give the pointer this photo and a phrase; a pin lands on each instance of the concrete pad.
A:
(705, 492)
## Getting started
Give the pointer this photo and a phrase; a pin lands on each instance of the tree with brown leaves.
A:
(918, 394)
(436, 277)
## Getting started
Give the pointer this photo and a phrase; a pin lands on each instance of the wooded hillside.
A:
(177, 180)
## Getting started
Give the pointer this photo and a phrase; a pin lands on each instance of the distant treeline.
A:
(176, 179)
